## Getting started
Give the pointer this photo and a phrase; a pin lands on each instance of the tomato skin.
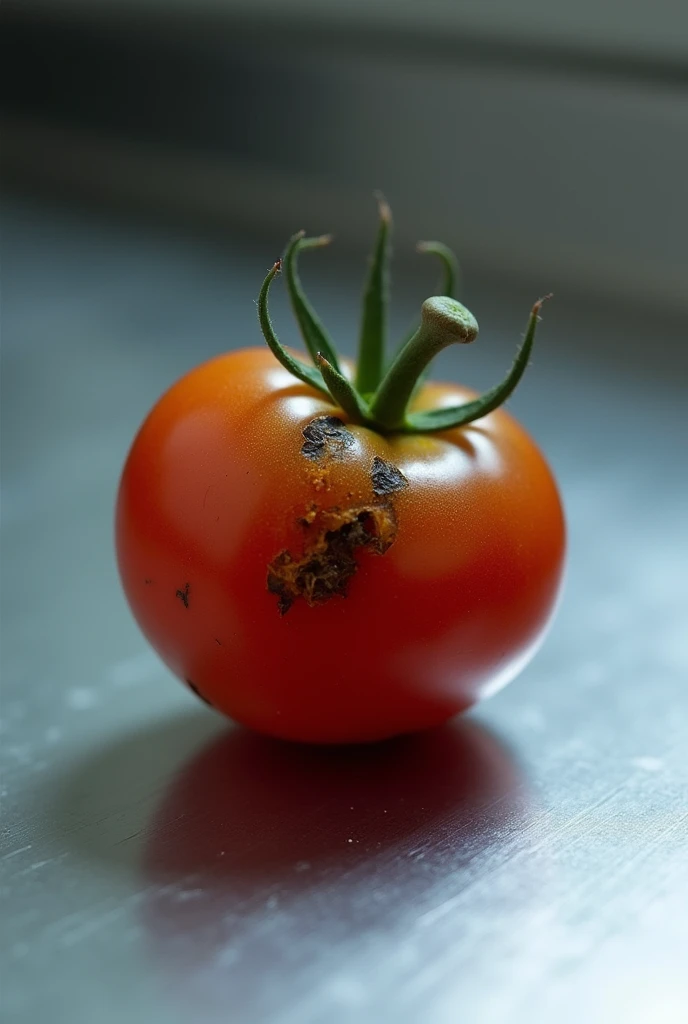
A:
(216, 486)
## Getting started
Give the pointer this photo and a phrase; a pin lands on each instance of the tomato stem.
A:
(444, 321)
(460, 415)
(381, 401)
(371, 346)
(447, 286)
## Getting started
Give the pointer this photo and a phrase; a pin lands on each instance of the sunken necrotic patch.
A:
(328, 561)
(386, 478)
(326, 437)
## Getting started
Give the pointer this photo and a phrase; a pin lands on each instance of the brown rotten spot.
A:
(328, 561)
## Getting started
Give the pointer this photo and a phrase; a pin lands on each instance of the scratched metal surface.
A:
(526, 865)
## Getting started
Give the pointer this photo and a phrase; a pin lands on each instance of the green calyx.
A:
(382, 392)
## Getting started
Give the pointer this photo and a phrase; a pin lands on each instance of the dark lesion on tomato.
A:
(386, 477)
(183, 595)
(326, 437)
(194, 689)
(328, 561)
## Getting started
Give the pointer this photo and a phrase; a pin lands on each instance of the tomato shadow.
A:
(194, 796)
(262, 854)
(250, 856)
(250, 816)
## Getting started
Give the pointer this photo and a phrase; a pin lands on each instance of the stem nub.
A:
(444, 321)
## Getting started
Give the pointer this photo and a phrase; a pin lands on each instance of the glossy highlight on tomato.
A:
(320, 575)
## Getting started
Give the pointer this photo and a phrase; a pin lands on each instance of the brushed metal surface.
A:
(526, 864)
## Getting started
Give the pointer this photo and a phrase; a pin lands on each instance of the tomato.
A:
(322, 580)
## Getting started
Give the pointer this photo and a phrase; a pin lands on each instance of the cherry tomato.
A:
(321, 580)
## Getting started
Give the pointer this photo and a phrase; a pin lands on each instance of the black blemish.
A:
(194, 689)
(148, 582)
(218, 642)
(183, 595)
(325, 436)
(386, 477)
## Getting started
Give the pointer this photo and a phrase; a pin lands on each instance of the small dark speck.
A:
(218, 642)
(148, 582)
(194, 689)
(183, 595)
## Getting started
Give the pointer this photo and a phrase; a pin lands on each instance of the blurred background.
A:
(540, 138)
(156, 157)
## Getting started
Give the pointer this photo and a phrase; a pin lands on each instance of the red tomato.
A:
(318, 580)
